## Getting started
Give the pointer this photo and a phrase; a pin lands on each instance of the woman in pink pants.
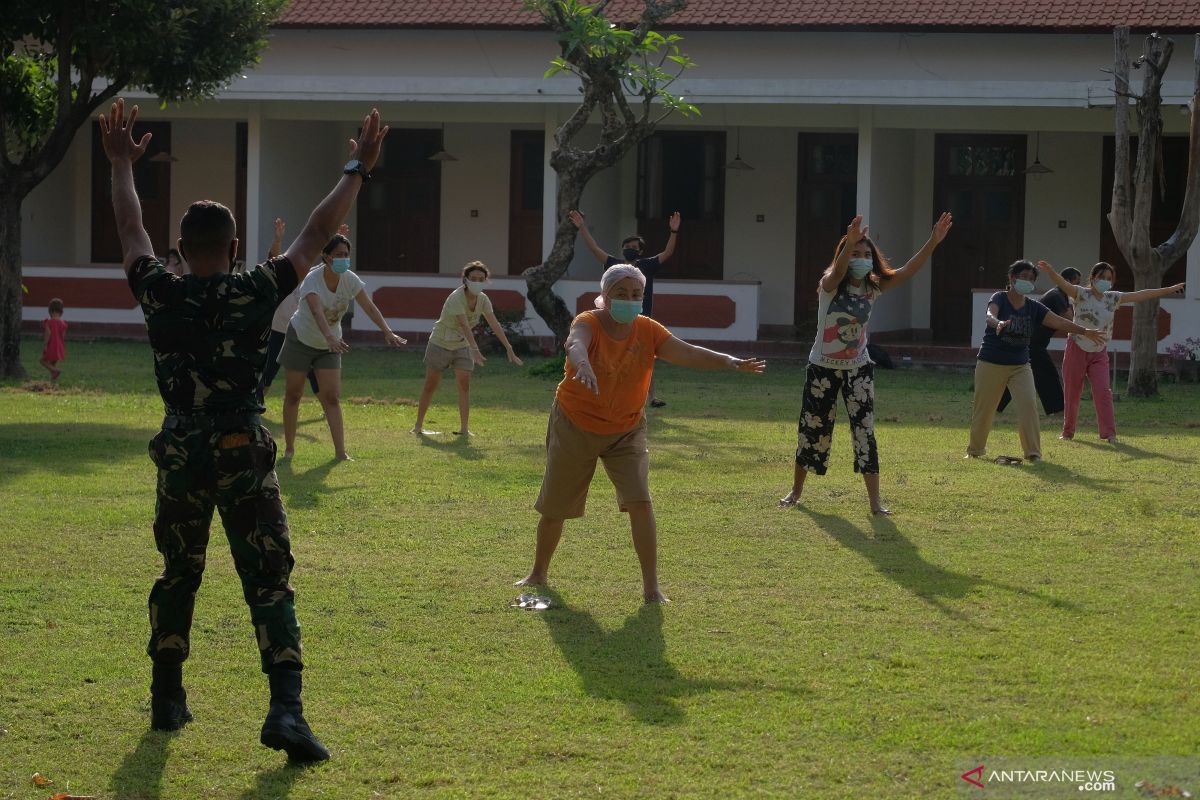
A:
(1095, 307)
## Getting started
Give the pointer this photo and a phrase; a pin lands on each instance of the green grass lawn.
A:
(1049, 609)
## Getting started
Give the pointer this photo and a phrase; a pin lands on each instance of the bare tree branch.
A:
(1118, 215)
(1189, 219)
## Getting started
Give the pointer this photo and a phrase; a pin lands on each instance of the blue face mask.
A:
(1023, 286)
(1102, 285)
(624, 311)
(860, 268)
(340, 265)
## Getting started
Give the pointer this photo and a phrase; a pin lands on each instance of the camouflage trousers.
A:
(200, 469)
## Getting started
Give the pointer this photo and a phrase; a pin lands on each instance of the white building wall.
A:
(921, 202)
(888, 220)
(1070, 195)
(300, 163)
(206, 169)
(51, 213)
(478, 182)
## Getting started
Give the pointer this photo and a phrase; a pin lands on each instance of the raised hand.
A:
(279, 228)
(370, 140)
(673, 223)
(576, 218)
(344, 230)
(855, 231)
(116, 134)
(941, 227)
(1045, 267)
(1176, 289)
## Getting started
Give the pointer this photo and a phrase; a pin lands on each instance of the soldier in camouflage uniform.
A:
(208, 331)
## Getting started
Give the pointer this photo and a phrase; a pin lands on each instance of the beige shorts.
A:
(571, 454)
(439, 358)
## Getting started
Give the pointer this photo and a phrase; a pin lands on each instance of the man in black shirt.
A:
(208, 331)
(631, 253)
(1045, 375)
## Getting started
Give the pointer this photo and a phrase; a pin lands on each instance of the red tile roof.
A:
(1033, 15)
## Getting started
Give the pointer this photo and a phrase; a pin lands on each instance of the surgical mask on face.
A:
(475, 287)
(1023, 286)
(631, 255)
(860, 267)
(340, 265)
(1102, 285)
(624, 311)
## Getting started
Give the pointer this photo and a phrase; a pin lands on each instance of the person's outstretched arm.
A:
(116, 136)
(669, 248)
(576, 348)
(498, 330)
(368, 305)
(855, 231)
(921, 257)
(336, 345)
(1151, 294)
(596, 249)
(329, 213)
(1052, 320)
(677, 351)
(1068, 288)
(464, 326)
(277, 240)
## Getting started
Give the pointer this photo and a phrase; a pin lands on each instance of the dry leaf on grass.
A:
(65, 796)
(40, 780)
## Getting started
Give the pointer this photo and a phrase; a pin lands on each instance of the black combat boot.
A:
(284, 727)
(168, 700)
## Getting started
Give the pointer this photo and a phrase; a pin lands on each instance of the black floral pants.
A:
(819, 412)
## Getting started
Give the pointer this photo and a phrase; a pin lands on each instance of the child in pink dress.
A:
(55, 349)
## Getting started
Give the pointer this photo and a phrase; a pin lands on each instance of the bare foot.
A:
(655, 596)
(532, 579)
(790, 500)
(54, 373)
(881, 511)
(289, 453)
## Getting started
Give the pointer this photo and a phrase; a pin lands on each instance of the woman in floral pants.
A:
(839, 361)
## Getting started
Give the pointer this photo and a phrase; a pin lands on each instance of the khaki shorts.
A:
(571, 454)
(299, 357)
(439, 358)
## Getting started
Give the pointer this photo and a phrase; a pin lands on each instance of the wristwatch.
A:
(356, 166)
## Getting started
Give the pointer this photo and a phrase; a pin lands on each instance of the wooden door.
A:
(826, 196)
(399, 209)
(525, 185)
(1165, 208)
(980, 179)
(685, 172)
(153, 181)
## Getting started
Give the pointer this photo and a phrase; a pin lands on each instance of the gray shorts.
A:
(439, 358)
(298, 356)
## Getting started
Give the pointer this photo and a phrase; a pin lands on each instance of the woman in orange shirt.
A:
(598, 414)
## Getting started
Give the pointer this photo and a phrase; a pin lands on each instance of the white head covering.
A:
(614, 275)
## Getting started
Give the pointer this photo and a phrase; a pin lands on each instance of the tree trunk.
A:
(540, 280)
(1143, 356)
(10, 286)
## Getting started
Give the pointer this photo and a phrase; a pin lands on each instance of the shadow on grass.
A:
(1132, 451)
(899, 560)
(70, 448)
(140, 775)
(628, 664)
(275, 784)
(302, 489)
(449, 443)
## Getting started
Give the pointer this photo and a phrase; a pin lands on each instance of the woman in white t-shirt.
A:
(451, 344)
(1095, 307)
(314, 340)
(839, 361)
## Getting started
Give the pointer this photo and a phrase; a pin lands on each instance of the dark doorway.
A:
(684, 172)
(151, 176)
(399, 210)
(980, 179)
(826, 197)
(1165, 207)
(525, 184)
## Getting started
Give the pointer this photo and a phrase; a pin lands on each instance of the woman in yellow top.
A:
(453, 345)
(597, 414)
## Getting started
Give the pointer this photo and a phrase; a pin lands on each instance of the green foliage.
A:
(179, 50)
(592, 45)
(513, 325)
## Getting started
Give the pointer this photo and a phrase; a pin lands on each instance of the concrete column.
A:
(253, 249)
(1193, 271)
(866, 136)
(549, 185)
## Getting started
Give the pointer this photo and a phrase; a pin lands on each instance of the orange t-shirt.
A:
(623, 370)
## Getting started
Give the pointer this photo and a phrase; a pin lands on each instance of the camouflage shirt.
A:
(209, 335)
